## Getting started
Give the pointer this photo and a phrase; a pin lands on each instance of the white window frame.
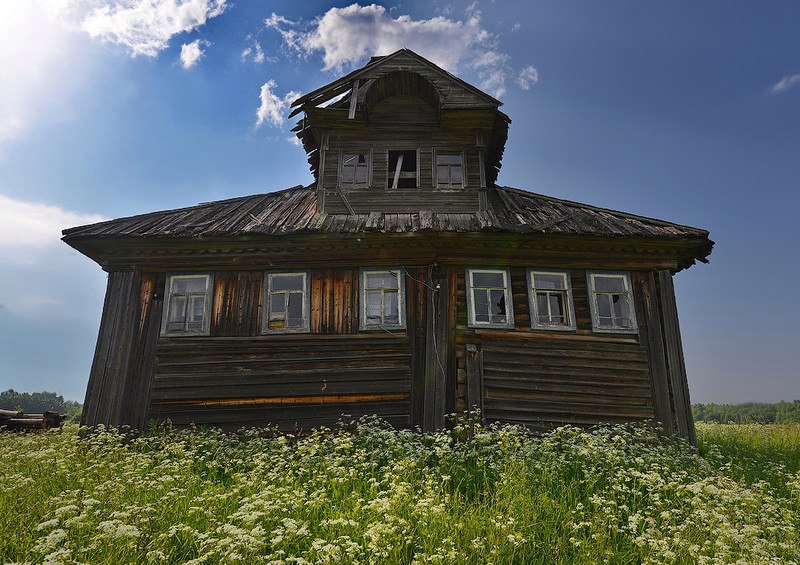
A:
(449, 185)
(390, 173)
(569, 306)
(268, 276)
(401, 298)
(509, 323)
(626, 277)
(342, 153)
(168, 295)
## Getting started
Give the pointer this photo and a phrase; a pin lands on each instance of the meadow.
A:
(369, 494)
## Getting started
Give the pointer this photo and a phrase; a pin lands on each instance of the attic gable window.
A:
(611, 301)
(550, 295)
(188, 305)
(403, 170)
(354, 171)
(286, 303)
(382, 298)
(489, 302)
(449, 170)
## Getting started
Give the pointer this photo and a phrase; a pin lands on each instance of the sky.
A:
(684, 111)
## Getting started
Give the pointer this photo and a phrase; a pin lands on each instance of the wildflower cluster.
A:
(368, 494)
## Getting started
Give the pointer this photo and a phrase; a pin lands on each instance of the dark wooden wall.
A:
(237, 377)
(400, 122)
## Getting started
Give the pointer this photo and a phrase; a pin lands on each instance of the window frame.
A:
(362, 297)
(569, 303)
(265, 329)
(435, 176)
(209, 296)
(626, 277)
(390, 173)
(509, 295)
(368, 153)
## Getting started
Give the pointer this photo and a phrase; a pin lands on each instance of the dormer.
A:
(401, 135)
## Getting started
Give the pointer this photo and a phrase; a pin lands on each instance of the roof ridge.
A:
(657, 221)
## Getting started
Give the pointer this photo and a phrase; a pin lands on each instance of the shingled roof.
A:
(294, 211)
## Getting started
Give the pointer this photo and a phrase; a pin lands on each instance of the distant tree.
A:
(37, 402)
(749, 412)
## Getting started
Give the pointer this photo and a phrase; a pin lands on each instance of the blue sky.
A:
(681, 110)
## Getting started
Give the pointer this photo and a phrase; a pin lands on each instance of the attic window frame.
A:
(401, 298)
(354, 184)
(435, 175)
(169, 296)
(568, 305)
(509, 302)
(625, 276)
(390, 174)
(268, 292)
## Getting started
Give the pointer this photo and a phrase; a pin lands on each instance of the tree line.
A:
(37, 402)
(749, 413)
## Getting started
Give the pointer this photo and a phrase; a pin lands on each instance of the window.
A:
(550, 295)
(286, 303)
(489, 303)
(403, 169)
(382, 298)
(611, 301)
(188, 305)
(449, 170)
(354, 172)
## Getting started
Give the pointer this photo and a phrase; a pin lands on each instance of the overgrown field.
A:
(369, 494)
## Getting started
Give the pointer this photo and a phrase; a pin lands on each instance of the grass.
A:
(369, 494)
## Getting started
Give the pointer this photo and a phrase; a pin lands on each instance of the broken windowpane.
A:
(489, 295)
(612, 302)
(355, 170)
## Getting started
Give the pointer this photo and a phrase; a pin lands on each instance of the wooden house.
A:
(404, 282)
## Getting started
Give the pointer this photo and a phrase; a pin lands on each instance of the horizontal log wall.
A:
(293, 382)
(544, 378)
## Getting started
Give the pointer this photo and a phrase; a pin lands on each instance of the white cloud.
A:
(145, 27)
(28, 229)
(785, 84)
(527, 77)
(273, 108)
(516, 27)
(348, 36)
(254, 52)
(191, 53)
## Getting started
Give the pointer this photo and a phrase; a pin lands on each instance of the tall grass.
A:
(370, 494)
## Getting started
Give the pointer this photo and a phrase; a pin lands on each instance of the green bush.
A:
(38, 402)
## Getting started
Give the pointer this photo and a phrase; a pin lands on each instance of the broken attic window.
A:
(403, 169)
(355, 170)
(449, 170)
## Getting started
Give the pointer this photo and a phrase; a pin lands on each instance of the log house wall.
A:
(237, 377)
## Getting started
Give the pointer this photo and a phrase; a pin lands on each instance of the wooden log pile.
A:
(18, 420)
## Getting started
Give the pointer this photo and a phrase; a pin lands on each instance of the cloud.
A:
(254, 52)
(145, 27)
(346, 37)
(785, 84)
(28, 229)
(191, 53)
(273, 108)
(527, 77)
